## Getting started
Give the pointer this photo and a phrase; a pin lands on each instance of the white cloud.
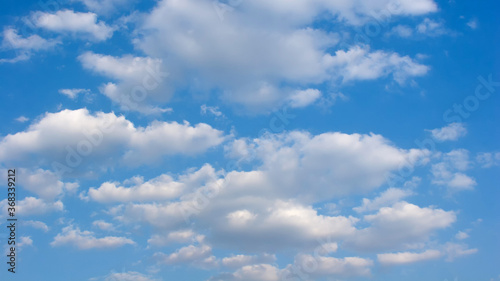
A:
(462, 235)
(408, 257)
(199, 256)
(451, 132)
(12, 40)
(304, 98)
(256, 210)
(214, 110)
(449, 172)
(400, 227)
(182, 139)
(270, 227)
(153, 214)
(473, 23)
(30, 206)
(36, 224)
(240, 218)
(126, 67)
(102, 225)
(431, 28)
(230, 52)
(22, 56)
(103, 138)
(25, 241)
(348, 164)
(24, 46)
(355, 13)
(158, 189)
(46, 184)
(427, 28)
(358, 63)
(387, 198)
(458, 159)
(140, 81)
(85, 240)
(331, 98)
(73, 93)
(22, 119)
(461, 181)
(73, 22)
(256, 272)
(282, 225)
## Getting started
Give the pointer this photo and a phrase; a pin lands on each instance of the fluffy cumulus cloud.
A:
(308, 205)
(387, 198)
(358, 63)
(274, 226)
(32, 206)
(86, 240)
(256, 272)
(199, 256)
(106, 226)
(282, 225)
(25, 241)
(451, 132)
(211, 45)
(268, 207)
(304, 98)
(304, 267)
(46, 184)
(161, 188)
(346, 163)
(77, 23)
(82, 136)
(401, 226)
(138, 81)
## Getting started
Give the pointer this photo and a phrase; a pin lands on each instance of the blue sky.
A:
(251, 140)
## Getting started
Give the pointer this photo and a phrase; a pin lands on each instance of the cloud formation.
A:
(85, 240)
(102, 138)
(76, 23)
